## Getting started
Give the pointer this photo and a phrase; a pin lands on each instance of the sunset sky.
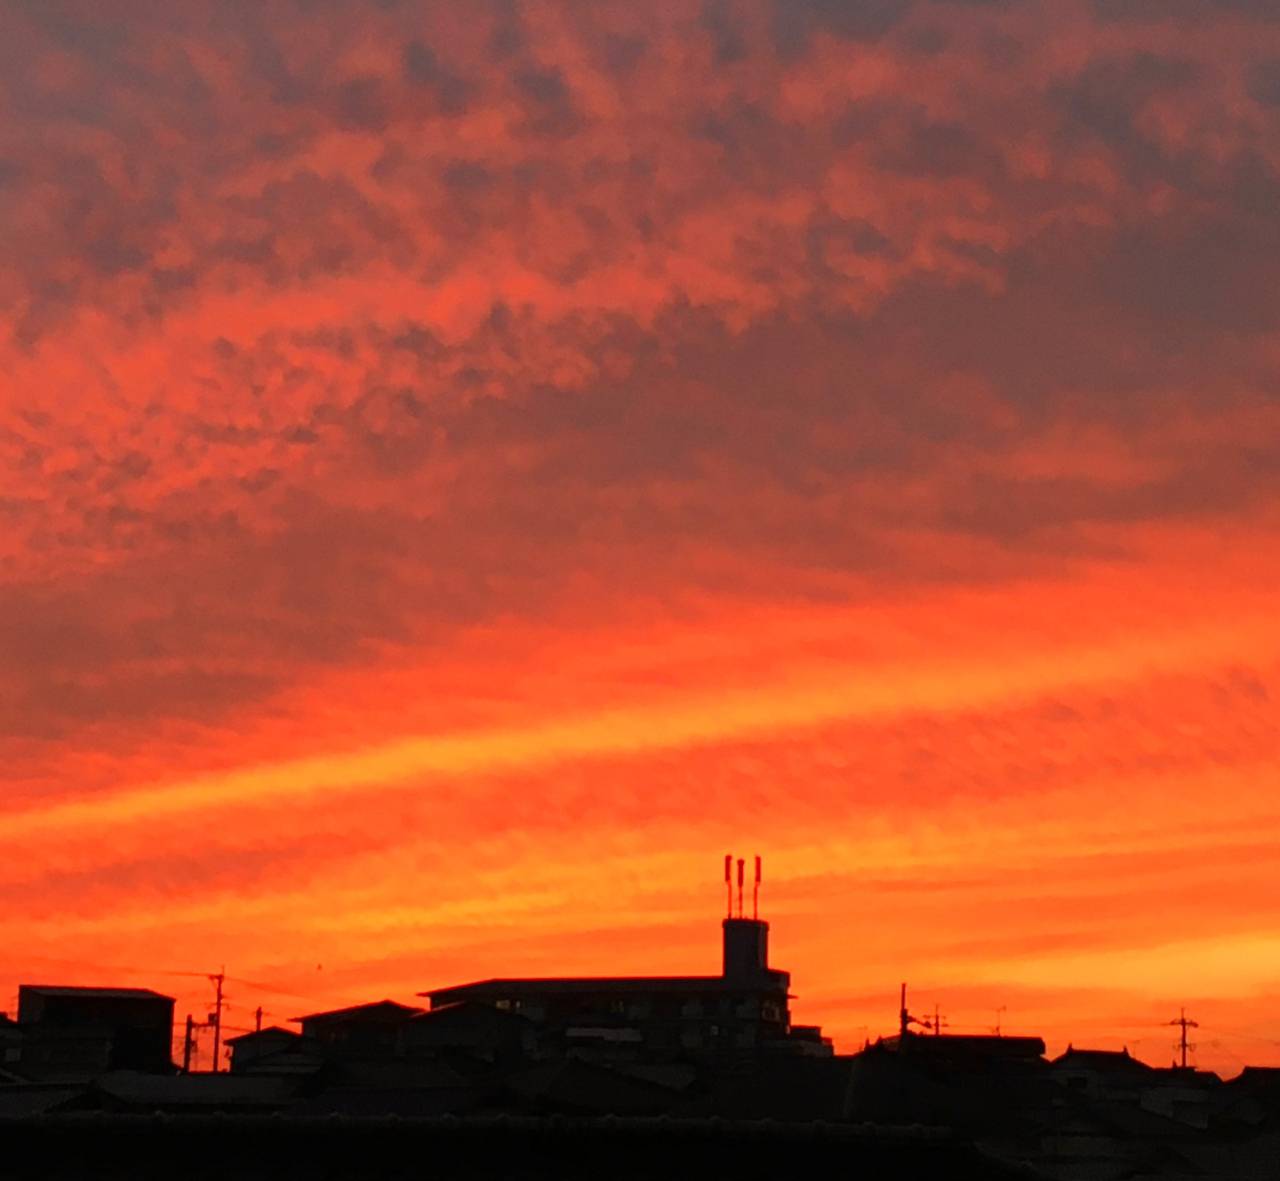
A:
(465, 467)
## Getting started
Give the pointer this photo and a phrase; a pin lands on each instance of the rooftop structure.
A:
(743, 1010)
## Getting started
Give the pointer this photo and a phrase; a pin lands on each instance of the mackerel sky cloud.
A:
(463, 467)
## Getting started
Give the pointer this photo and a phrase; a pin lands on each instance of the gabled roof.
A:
(1115, 1060)
(271, 1033)
(374, 1013)
(109, 993)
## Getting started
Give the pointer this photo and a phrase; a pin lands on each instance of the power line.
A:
(127, 970)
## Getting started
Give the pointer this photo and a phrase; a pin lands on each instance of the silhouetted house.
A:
(274, 1051)
(362, 1031)
(483, 1032)
(741, 1012)
(1188, 1096)
(1102, 1074)
(994, 1089)
(70, 1032)
(1252, 1098)
(964, 1048)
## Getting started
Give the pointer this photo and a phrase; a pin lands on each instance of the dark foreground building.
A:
(70, 1033)
(741, 1013)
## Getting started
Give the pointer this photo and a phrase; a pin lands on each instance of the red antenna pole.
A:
(755, 892)
(728, 885)
(742, 864)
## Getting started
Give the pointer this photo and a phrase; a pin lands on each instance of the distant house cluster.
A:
(690, 1048)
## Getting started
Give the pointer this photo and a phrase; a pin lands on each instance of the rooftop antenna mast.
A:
(728, 885)
(1184, 1022)
(755, 892)
(742, 868)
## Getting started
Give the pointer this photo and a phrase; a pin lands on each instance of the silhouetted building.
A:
(361, 1031)
(70, 1032)
(994, 1089)
(741, 1012)
(483, 1032)
(274, 1051)
(1181, 1093)
(963, 1047)
(1102, 1074)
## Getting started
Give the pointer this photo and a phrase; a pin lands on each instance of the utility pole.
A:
(217, 1015)
(906, 1020)
(188, 1044)
(999, 1014)
(1184, 1023)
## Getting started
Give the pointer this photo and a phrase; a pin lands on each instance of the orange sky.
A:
(464, 468)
